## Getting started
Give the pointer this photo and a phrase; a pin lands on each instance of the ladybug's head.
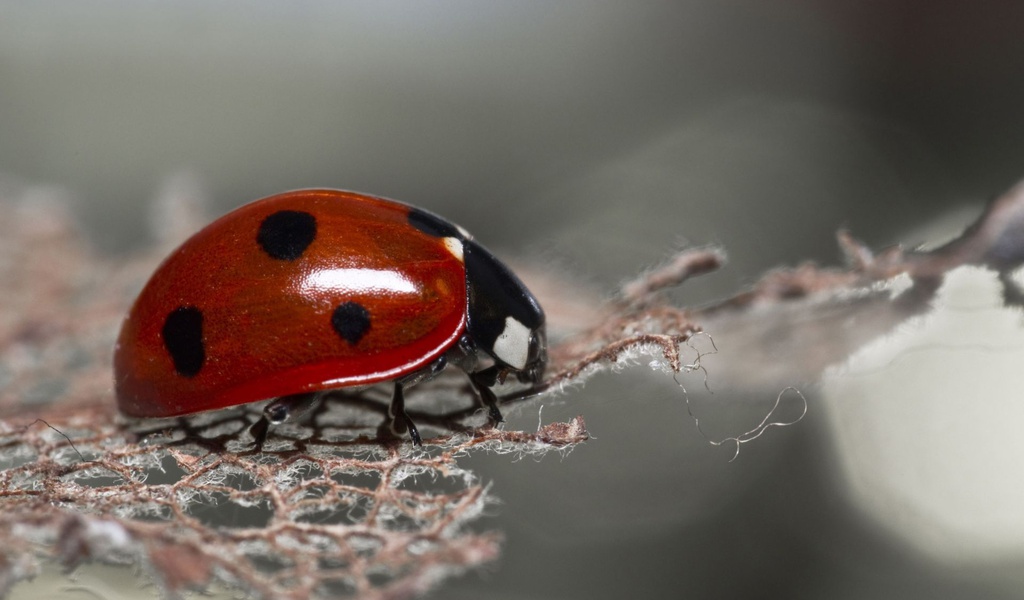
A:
(504, 319)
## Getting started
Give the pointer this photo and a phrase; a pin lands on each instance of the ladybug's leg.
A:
(285, 408)
(259, 432)
(482, 382)
(399, 419)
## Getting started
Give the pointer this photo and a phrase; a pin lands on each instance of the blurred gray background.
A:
(762, 126)
(596, 137)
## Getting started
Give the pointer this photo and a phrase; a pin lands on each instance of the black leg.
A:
(399, 419)
(285, 408)
(259, 432)
(482, 382)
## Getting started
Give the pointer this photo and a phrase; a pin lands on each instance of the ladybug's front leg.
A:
(399, 420)
(482, 382)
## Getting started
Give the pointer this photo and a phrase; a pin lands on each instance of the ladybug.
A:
(297, 294)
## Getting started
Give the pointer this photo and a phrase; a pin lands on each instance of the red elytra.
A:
(314, 290)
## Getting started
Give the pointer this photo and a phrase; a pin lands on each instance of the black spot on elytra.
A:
(183, 338)
(286, 234)
(351, 321)
(431, 224)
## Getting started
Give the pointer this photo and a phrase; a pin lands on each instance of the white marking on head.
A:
(464, 233)
(454, 245)
(513, 345)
